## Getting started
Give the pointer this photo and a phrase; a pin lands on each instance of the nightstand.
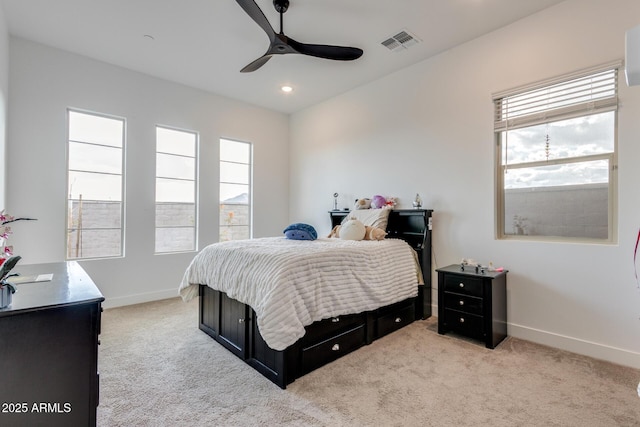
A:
(473, 304)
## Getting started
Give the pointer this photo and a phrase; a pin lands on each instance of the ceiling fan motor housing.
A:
(281, 5)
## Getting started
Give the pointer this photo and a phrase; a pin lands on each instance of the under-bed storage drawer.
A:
(394, 317)
(331, 349)
(327, 328)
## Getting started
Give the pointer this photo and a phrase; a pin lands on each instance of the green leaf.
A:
(8, 266)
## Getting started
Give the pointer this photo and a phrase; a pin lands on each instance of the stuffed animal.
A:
(378, 202)
(374, 233)
(300, 231)
(370, 233)
(363, 204)
(392, 202)
(352, 229)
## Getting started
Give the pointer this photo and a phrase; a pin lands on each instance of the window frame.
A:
(249, 184)
(196, 157)
(122, 148)
(588, 109)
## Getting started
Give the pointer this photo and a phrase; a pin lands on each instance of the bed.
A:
(303, 304)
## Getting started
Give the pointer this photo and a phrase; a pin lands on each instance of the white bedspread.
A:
(293, 283)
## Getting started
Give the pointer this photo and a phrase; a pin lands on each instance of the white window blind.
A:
(588, 92)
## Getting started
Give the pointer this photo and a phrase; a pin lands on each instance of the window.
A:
(556, 158)
(175, 190)
(95, 159)
(235, 190)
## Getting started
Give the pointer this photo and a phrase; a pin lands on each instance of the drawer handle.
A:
(462, 320)
(335, 347)
(461, 285)
(240, 320)
(461, 302)
(398, 320)
(335, 319)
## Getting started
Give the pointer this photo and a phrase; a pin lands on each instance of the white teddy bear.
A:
(352, 229)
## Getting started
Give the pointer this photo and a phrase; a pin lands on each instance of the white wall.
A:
(46, 81)
(428, 129)
(4, 95)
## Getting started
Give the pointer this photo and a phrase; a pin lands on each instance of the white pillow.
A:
(371, 217)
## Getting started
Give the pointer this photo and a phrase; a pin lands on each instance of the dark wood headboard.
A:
(414, 227)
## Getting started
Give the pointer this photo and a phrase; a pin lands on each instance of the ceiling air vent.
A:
(402, 40)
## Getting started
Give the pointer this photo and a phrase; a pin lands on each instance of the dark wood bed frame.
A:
(232, 323)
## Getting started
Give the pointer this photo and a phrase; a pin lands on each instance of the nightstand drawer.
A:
(467, 304)
(463, 285)
(467, 324)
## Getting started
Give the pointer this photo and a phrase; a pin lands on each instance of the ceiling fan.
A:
(280, 44)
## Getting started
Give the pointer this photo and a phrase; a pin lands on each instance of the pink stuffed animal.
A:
(378, 202)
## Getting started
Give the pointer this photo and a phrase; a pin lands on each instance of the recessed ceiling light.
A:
(286, 89)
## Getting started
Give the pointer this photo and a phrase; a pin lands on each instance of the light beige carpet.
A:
(158, 369)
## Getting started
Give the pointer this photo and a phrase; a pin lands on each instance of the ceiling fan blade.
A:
(280, 44)
(340, 53)
(255, 13)
(256, 64)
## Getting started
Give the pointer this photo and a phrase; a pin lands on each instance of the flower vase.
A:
(5, 296)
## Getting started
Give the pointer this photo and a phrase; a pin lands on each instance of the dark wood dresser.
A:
(473, 303)
(49, 349)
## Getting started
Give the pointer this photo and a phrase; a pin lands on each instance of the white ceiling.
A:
(204, 43)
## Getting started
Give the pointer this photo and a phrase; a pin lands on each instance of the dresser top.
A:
(70, 285)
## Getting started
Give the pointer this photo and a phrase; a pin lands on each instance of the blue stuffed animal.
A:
(300, 231)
